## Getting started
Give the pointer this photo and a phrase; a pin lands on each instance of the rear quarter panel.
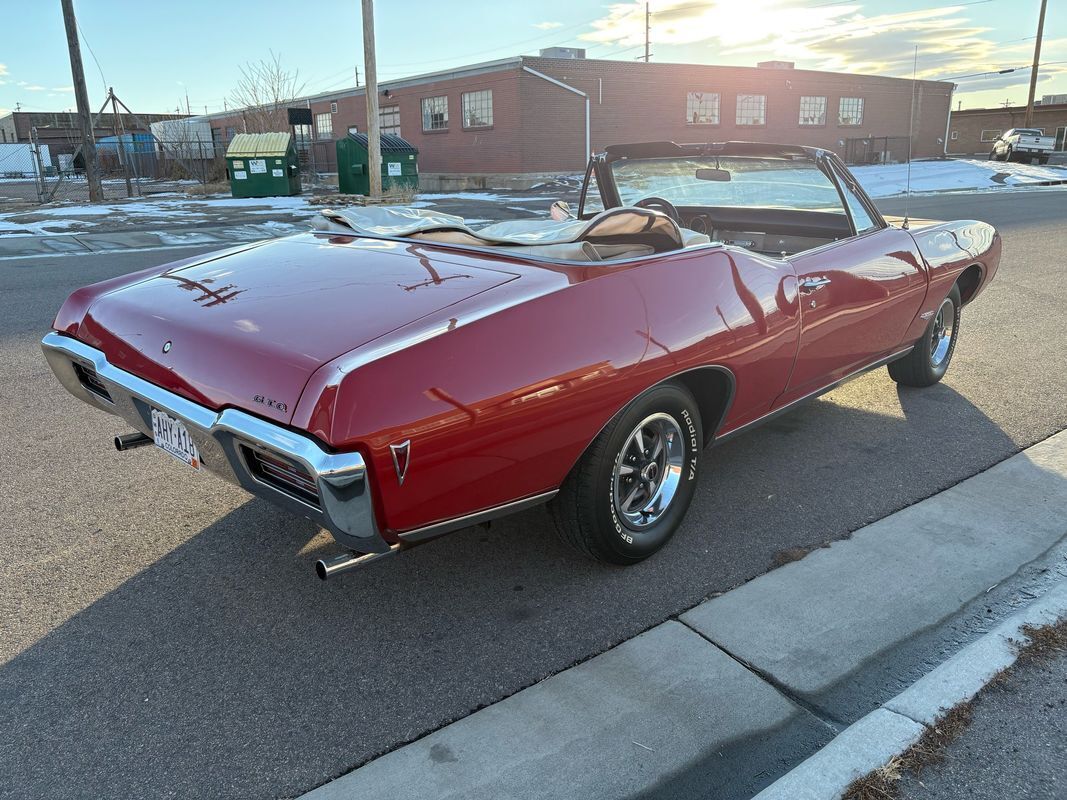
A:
(500, 407)
(949, 248)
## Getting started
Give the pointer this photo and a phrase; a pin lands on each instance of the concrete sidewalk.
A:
(745, 686)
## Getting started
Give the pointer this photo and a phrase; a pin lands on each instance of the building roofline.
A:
(400, 83)
(514, 62)
(1018, 109)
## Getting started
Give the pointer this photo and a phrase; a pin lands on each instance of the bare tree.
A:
(265, 90)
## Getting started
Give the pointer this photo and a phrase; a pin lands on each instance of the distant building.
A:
(530, 116)
(973, 131)
(60, 132)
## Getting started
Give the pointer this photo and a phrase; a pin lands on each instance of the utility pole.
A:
(1028, 121)
(370, 72)
(648, 29)
(357, 75)
(81, 97)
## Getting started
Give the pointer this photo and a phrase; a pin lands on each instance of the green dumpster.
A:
(400, 166)
(262, 165)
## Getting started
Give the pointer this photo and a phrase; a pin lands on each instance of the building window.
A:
(990, 136)
(477, 109)
(435, 113)
(955, 135)
(812, 110)
(702, 108)
(333, 108)
(752, 109)
(389, 120)
(323, 126)
(850, 111)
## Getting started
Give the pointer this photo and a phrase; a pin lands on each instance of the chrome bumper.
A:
(344, 506)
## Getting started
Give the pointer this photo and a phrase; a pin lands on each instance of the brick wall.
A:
(641, 102)
(540, 127)
(968, 125)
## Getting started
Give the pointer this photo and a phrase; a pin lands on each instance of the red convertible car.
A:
(398, 374)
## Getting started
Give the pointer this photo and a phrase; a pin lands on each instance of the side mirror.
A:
(720, 175)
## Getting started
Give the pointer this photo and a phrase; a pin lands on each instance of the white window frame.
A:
(812, 111)
(702, 108)
(750, 108)
(477, 106)
(389, 120)
(324, 126)
(990, 135)
(434, 105)
(853, 120)
(333, 108)
(954, 136)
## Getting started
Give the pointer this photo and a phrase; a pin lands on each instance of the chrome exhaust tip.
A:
(128, 441)
(327, 568)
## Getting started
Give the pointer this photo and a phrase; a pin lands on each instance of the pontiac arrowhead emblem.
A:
(401, 458)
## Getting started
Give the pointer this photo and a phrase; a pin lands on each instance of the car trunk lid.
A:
(247, 330)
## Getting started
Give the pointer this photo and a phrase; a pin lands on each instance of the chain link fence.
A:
(51, 167)
(876, 150)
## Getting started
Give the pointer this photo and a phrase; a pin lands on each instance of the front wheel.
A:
(928, 361)
(631, 489)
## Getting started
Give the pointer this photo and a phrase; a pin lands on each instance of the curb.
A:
(889, 730)
(749, 684)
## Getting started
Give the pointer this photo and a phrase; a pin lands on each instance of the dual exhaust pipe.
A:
(325, 568)
(128, 441)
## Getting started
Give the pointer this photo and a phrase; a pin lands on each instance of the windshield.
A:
(752, 183)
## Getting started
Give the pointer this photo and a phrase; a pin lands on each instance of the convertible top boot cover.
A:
(617, 226)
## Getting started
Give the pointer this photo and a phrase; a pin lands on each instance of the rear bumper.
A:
(228, 440)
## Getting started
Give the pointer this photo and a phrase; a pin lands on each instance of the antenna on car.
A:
(911, 134)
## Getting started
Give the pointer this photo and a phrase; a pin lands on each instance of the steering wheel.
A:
(659, 204)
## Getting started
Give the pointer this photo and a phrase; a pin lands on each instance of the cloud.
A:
(63, 89)
(547, 26)
(833, 37)
(33, 87)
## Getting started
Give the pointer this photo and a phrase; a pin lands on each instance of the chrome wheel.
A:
(648, 471)
(941, 341)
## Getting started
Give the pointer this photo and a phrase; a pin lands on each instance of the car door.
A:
(857, 297)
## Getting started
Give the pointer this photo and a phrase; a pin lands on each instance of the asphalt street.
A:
(162, 633)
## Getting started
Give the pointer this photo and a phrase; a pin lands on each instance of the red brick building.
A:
(536, 115)
(972, 132)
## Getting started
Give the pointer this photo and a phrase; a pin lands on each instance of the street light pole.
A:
(81, 97)
(370, 76)
(1028, 121)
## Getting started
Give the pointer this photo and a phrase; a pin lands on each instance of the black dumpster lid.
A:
(390, 143)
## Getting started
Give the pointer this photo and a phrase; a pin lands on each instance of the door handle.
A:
(809, 285)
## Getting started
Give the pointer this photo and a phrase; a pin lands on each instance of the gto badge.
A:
(401, 458)
(269, 403)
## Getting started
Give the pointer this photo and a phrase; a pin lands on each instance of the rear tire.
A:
(928, 361)
(631, 489)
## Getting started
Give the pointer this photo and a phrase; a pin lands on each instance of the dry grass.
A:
(1042, 643)
(208, 188)
(791, 554)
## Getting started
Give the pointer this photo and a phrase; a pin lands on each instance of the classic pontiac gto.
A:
(398, 374)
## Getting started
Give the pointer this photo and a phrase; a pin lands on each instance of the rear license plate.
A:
(172, 436)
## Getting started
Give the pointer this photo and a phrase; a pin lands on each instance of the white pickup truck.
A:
(1023, 144)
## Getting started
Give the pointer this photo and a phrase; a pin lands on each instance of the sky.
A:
(156, 54)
